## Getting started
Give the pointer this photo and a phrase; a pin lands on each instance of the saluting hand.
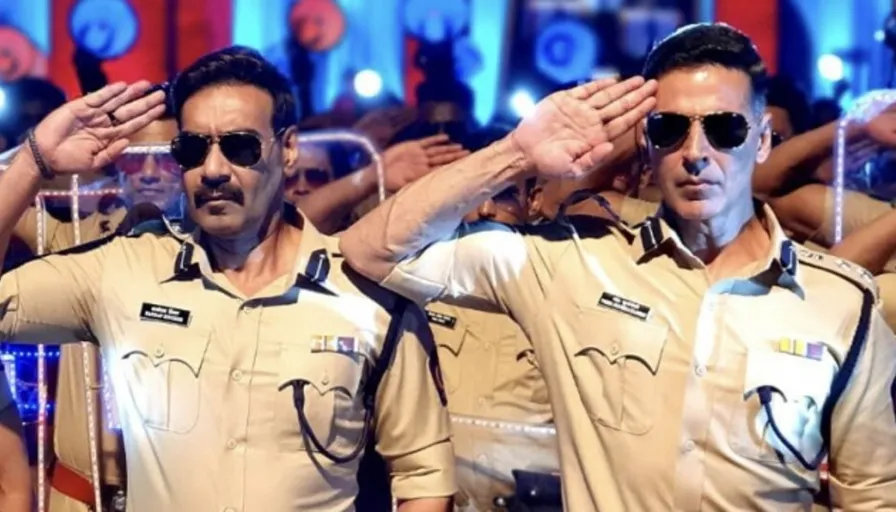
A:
(88, 133)
(570, 132)
(409, 161)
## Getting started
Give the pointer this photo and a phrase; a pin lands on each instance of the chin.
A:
(219, 226)
(696, 210)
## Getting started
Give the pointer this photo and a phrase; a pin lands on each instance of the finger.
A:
(108, 155)
(138, 123)
(587, 90)
(432, 140)
(592, 159)
(610, 94)
(625, 122)
(100, 97)
(447, 159)
(626, 103)
(132, 92)
(138, 107)
(440, 150)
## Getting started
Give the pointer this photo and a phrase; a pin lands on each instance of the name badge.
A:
(165, 314)
(446, 321)
(622, 305)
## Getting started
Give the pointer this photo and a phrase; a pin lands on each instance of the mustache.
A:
(223, 193)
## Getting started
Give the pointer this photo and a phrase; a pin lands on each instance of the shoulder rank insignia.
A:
(840, 267)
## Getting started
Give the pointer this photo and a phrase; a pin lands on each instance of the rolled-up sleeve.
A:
(471, 267)
(51, 299)
(863, 426)
(412, 425)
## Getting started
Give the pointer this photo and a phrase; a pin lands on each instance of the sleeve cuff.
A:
(421, 291)
(427, 473)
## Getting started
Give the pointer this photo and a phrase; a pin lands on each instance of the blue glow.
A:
(368, 83)
(434, 21)
(566, 50)
(879, 36)
(830, 67)
(108, 28)
(488, 30)
(32, 17)
(522, 103)
(259, 24)
(2, 100)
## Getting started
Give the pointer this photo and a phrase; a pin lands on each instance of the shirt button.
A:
(325, 380)
(231, 444)
(481, 401)
(700, 371)
(688, 446)
(230, 509)
(159, 352)
(236, 375)
(614, 349)
(482, 459)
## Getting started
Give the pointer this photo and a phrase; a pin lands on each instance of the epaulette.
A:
(845, 269)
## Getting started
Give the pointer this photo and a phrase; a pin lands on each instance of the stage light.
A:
(2, 100)
(368, 83)
(522, 103)
(879, 36)
(830, 67)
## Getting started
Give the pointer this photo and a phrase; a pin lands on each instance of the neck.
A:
(706, 239)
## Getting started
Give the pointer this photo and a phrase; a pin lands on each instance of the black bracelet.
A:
(45, 170)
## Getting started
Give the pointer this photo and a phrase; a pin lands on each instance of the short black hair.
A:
(237, 65)
(784, 93)
(713, 44)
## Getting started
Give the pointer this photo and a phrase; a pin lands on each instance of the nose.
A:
(695, 155)
(150, 172)
(487, 210)
(215, 169)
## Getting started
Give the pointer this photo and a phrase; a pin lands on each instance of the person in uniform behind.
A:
(701, 361)
(239, 351)
(15, 476)
(152, 178)
(491, 378)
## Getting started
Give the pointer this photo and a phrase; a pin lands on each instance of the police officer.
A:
(490, 374)
(249, 363)
(15, 477)
(699, 361)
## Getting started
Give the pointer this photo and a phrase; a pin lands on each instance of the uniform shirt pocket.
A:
(615, 363)
(797, 388)
(450, 342)
(162, 368)
(333, 402)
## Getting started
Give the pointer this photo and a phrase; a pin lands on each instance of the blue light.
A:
(830, 67)
(108, 28)
(879, 36)
(566, 50)
(522, 103)
(368, 83)
(2, 100)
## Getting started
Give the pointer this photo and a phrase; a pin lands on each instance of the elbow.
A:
(364, 259)
(425, 505)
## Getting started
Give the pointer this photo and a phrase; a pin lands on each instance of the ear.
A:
(534, 200)
(765, 138)
(290, 141)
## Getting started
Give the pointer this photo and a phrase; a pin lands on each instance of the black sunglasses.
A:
(240, 148)
(724, 130)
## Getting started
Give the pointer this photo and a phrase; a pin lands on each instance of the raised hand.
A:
(408, 161)
(570, 133)
(81, 135)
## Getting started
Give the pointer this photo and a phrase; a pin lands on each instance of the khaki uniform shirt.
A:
(203, 374)
(71, 435)
(656, 372)
(886, 283)
(635, 210)
(490, 373)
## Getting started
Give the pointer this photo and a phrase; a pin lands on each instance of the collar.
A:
(781, 262)
(311, 269)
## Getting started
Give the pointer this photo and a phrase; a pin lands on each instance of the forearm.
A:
(430, 208)
(801, 153)
(328, 206)
(19, 184)
(872, 246)
(425, 505)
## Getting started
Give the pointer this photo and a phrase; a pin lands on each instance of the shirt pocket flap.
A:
(326, 372)
(615, 336)
(792, 376)
(162, 345)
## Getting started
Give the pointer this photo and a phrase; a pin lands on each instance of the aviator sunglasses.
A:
(240, 148)
(724, 130)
